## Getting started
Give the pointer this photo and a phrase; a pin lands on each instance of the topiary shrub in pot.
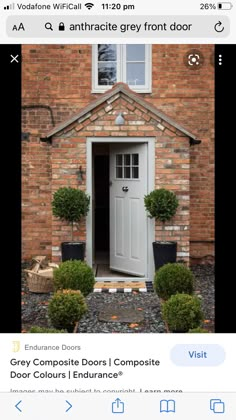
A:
(162, 205)
(173, 278)
(71, 205)
(182, 312)
(66, 308)
(76, 275)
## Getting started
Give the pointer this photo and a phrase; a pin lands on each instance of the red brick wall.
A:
(171, 157)
(188, 97)
(36, 185)
(60, 77)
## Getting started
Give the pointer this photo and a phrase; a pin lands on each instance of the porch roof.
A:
(119, 88)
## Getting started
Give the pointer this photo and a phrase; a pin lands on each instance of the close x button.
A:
(14, 58)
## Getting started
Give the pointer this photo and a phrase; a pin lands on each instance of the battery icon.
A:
(224, 6)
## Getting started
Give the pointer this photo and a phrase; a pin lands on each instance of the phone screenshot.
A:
(117, 270)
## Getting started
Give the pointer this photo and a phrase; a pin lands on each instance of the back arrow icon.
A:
(17, 406)
(70, 406)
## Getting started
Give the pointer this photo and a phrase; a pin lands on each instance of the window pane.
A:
(119, 160)
(135, 52)
(135, 172)
(127, 160)
(106, 52)
(136, 73)
(119, 172)
(135, 159)
(106, 74)
(127, 172)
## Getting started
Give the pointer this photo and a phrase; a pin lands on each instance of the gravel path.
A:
(34, 307)
(205, 289)
(147, 303)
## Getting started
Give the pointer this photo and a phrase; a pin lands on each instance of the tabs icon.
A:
(217, 406)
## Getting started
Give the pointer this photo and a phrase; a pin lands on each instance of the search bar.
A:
(115, 27)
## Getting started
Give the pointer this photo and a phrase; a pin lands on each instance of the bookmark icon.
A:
(167, 406)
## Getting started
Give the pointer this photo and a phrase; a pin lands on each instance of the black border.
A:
(10, 307)
(225, 116)
(225, 120)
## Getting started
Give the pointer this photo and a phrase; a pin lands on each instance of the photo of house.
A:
(119, 121)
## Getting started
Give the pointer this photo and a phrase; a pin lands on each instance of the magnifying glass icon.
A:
(48, 25)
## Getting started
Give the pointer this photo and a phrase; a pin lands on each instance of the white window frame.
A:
(121, 70)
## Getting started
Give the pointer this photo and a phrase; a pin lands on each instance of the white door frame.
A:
(150, 186)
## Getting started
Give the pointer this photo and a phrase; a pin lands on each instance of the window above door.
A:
(130, 63)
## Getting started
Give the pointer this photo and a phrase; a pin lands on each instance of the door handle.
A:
(125, 189)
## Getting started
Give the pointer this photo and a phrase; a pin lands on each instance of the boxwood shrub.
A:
(182, 312)
(74, 275)
(173, 278)
(65, 308)
(43, 330)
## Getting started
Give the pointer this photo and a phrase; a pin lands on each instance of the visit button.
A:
(197, 355)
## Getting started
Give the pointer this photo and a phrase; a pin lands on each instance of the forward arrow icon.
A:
(70, 406)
